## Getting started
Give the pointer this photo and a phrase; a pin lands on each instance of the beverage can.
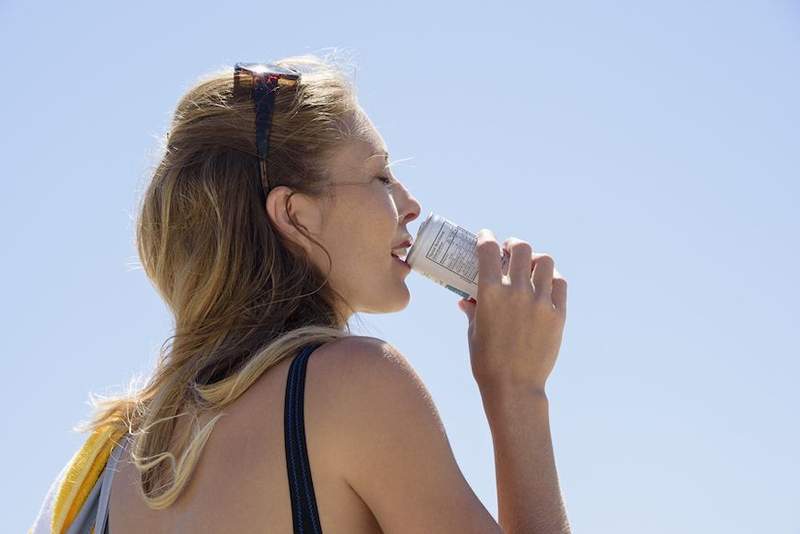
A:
(446, 253)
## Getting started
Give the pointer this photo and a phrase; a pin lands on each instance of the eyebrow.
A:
(381, 153)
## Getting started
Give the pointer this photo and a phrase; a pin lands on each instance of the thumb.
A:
(468, 307)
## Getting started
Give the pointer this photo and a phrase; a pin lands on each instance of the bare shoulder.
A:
(366, 377)
(365, 358)
(385, 435)
(359, 347)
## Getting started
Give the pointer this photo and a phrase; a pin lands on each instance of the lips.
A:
(401, 250)
(401, 260)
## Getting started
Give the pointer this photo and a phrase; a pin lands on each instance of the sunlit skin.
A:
(365, 221)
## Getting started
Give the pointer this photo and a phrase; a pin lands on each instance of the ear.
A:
(304, 209)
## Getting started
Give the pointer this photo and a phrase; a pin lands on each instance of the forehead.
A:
(358, 157)
(364, 151)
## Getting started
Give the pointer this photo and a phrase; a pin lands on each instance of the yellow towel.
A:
(82, 473)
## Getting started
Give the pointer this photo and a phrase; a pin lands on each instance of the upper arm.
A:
(392, 446)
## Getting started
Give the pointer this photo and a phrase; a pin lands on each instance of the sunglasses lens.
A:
(268, 68)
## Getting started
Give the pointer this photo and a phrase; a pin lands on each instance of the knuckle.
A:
(520, 289)
(544, 306)
(518, 296)
(489, 292)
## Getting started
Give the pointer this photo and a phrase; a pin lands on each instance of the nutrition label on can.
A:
(453, 248)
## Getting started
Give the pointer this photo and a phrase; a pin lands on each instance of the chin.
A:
(394, 302)
(402, 304)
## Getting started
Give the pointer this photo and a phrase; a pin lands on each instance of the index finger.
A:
(488, 251)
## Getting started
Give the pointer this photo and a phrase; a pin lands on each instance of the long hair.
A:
(242, 295)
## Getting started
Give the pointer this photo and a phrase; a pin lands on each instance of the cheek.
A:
(362, 233)
(377, 218)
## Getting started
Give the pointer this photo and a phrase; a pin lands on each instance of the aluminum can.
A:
(445, 253)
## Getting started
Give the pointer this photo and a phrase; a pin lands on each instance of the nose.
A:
(412, 209)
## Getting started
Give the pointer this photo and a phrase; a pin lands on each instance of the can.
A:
(446, 253)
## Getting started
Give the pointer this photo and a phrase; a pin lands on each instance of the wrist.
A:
(510, 389)
(507, 397)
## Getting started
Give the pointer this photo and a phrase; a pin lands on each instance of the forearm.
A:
(528, 494)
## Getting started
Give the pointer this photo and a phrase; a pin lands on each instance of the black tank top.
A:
(301, 488)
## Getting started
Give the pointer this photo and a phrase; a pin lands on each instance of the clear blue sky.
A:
(652, 148)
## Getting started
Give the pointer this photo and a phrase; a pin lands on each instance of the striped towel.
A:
(73, 495)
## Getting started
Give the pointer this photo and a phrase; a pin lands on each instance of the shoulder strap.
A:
(87, 515)
(305, 516)
(101, 522)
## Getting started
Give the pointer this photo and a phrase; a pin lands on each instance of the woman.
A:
(239, 429)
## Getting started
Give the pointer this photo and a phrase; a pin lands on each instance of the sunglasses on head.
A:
(260, 80)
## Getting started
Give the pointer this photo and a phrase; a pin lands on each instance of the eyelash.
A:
(384, 179)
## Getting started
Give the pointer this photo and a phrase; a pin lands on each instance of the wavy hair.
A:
(243, 296)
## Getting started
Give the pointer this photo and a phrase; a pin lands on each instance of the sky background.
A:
(652, 148)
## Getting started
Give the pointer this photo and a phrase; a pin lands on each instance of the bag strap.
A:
(101, 521)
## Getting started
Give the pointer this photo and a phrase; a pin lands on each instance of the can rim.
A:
(413, 249)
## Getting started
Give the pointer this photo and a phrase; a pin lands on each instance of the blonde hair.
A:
(243, 296)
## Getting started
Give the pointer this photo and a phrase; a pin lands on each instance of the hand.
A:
(516, 323)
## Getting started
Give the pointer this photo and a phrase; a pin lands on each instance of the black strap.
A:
(305, 516)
